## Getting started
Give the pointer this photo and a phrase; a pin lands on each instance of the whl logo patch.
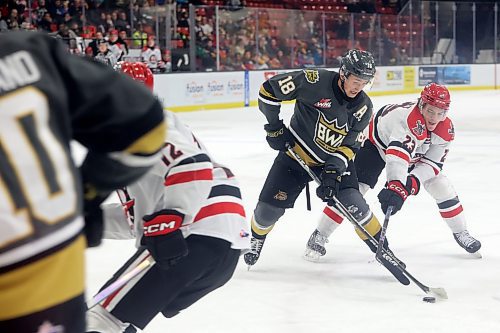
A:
(324, 103)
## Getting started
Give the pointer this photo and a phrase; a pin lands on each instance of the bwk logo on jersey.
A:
(328, 135)
(312, 76)
(324, 103)
(419, 128)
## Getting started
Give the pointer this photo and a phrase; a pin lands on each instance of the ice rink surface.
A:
(347, 291)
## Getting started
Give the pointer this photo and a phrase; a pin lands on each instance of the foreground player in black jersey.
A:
(47, 99)
(331, 111)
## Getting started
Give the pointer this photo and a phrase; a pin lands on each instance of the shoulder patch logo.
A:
(419, 128)
(324, 103)
(312, 76)
(451, 132)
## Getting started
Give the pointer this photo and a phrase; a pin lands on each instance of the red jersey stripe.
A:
(398, 153)
(188, 176)
(220, 208)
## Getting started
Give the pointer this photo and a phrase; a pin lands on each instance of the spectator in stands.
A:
(207, 26)
(122, 23)
(304, 57)
(117, 45)
(67, 35)
(284, 59)
(57, 11)
(46, 22)
(272, 48)
(105, 55)
(248, 62)
(151, 55)
(40, 11)
(13, 21)
(206, 53)
(139, 38)
(108, 23)
(94, 44)
(124, 37)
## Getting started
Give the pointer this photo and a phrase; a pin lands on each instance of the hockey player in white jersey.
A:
(411, 141)
(187, 214)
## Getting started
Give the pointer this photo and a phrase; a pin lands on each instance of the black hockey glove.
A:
(279, 136)
(92, 213)
(163, 238)
(395, 193)
(330, 184)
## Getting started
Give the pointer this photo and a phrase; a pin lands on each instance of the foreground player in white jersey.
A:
(411, 140)
(188, 215)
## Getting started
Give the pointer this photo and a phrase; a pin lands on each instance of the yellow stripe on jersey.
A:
(260, 230)
(150, 142)
(44, 283)
(265, 93)
(346, 151)
(373, 226)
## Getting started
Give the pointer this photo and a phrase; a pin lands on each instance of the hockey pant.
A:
(208, 266)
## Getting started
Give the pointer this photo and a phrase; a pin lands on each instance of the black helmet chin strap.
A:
(342, 81)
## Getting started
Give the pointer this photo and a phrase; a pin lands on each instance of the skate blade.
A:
(311, 256)
(476, 255)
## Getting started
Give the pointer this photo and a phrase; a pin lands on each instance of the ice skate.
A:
(469, 243)
(315, 247)
(253, 255)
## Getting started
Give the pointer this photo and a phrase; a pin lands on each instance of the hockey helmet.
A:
(138, 71)
(359, 63)
(436, 95)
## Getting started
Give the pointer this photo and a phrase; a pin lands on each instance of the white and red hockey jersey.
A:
(400, 134)
(186, 180)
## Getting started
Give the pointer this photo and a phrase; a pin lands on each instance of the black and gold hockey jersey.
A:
(327, 125)
(47, 99)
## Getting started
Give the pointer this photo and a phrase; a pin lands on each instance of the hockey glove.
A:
(330, 184)
(92, 214)
(395, 193)
(163, 238)
(279, 136)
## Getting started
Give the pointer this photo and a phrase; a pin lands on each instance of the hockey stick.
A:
(124, 279)
(438, 292)
(381, 239)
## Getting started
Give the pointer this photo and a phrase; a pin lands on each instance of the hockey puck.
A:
(429, 299)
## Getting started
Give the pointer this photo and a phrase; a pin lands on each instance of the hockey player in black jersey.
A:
(331, 111)
(47, 206)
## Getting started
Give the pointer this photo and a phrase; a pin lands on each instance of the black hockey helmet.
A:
(359, 63)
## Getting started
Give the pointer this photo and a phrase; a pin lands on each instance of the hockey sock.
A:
(373, 227)
(452, 213)
(329, 221)
(259, 231)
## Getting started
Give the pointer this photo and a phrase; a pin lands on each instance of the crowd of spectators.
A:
(258, 39)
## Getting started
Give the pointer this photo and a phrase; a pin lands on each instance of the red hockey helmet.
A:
(436, 95)
(138, 71)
